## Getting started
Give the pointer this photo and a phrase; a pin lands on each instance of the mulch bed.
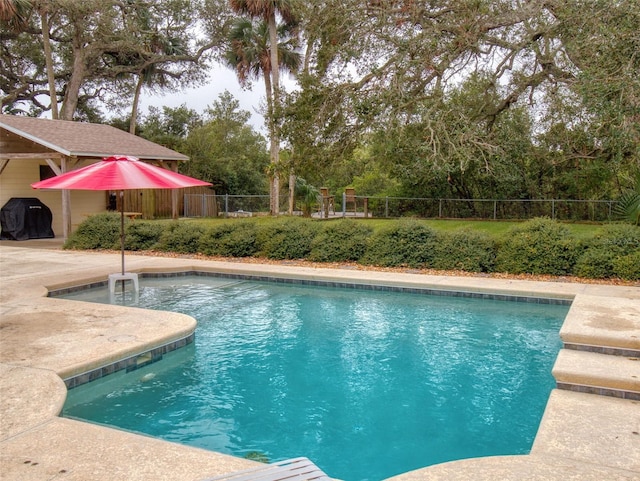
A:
(404, 270)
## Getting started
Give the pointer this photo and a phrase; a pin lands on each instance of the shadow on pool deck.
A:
(582, 436)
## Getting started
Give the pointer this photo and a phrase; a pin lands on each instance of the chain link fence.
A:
(208, 205)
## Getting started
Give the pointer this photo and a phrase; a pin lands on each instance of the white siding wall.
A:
(16, 180)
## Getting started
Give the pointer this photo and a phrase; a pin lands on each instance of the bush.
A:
(539, 246)
(628, 267)
(403, 243)
(236, 239)
(606, 250)
(465, 250)
(343, 240)
(286, 238)
(101, 231)
(142, 235)
(182, 237)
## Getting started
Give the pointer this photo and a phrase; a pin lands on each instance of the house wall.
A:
(16, 180)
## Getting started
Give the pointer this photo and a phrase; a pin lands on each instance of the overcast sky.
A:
(220, 79)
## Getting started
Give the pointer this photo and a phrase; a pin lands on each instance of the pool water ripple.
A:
(366, 384)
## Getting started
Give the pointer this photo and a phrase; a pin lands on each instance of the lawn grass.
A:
(492, 227)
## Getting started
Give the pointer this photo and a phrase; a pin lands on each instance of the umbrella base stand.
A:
(127, 276)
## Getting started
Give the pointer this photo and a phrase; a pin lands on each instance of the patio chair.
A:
(350, 199)
(326, 203)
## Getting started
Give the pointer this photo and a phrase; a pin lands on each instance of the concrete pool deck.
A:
(590, 429)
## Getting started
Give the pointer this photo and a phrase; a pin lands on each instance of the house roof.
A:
(83, 139)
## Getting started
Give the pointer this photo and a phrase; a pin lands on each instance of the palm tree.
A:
(15, 12)
(250, 54)
(268, 10)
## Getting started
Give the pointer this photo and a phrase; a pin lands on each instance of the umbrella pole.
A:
(122, 231)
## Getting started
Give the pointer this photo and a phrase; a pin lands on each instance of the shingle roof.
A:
(84, 139)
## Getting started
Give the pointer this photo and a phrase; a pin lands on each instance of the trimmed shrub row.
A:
(539, 246)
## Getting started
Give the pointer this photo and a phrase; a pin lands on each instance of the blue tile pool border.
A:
(130, 363)
(562, 301)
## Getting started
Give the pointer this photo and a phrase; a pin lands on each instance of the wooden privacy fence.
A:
(155, 203)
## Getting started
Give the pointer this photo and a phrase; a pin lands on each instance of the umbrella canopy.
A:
(119, 172)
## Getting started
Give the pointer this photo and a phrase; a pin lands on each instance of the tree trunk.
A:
(275, 112)
(77, 78)
(134, 106)
(292, 191)
(48, 59)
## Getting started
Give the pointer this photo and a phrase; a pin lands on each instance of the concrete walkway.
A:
(589, 430)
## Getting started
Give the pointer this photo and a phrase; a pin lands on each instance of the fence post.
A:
(386, 206)
(495, 209)
(226, 205)
(553, 208)
(440, 208)
(185, 206)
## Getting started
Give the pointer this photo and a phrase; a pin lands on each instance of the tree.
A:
(226, 151)
(391, 67)
(169, 126)
(268, 10)
(98, 47)
(249, 54)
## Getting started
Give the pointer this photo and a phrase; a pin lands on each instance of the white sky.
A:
(220, 79)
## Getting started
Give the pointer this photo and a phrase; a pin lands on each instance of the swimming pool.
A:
(367, 384)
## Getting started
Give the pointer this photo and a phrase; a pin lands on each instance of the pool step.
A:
(603, 325)
(296, 469)
(595, 373)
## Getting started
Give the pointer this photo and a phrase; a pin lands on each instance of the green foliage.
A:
(628, 267)
(142, 235)
(402, 243)
(307, 194)
(101, 231)
(343, 240)
(609, 250)
(237, 239)
(539, 246)
(226, 151)
(182, 237)
(628, 206)
(286, 238)
(169, 126)
(465, 250)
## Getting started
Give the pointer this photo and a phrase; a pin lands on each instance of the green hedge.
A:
(142, 236)
(101, 231)
(181, 237)
(286, 238)
(340, 241)
(465, 250)
(612, 252)
(230, 240)
(403, 243)
(539, 246)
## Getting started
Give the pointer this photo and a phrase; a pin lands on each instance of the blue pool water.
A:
(366, 384)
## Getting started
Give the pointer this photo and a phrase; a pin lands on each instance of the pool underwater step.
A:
(594, 373)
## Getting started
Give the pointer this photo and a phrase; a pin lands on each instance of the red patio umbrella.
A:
(119, 172)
